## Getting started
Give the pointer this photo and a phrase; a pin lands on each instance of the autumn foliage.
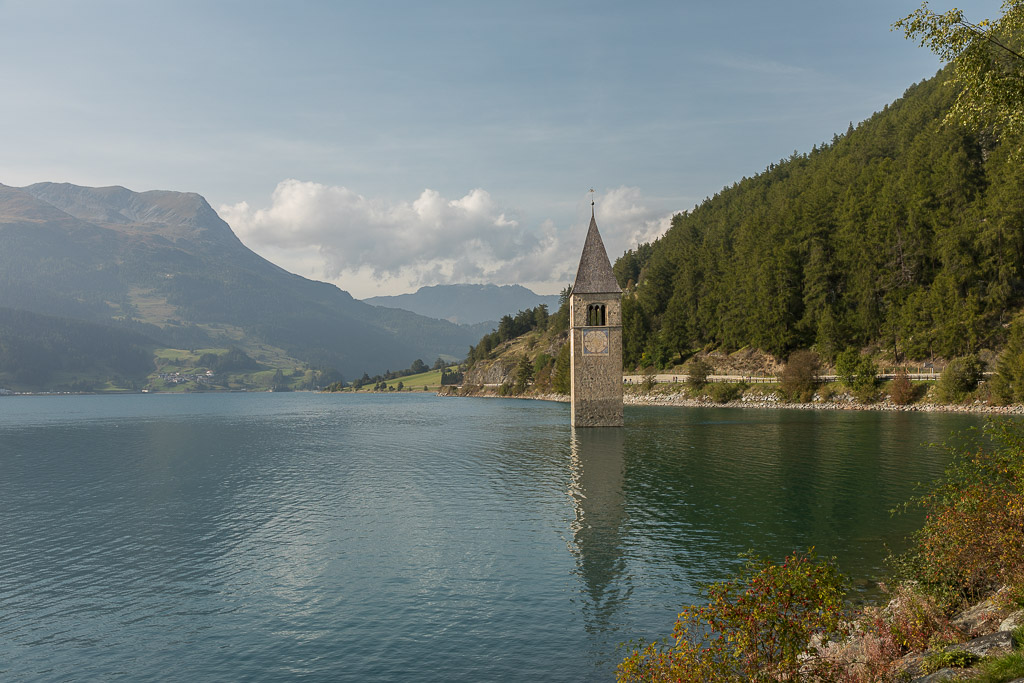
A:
(973, 536)
(757, 627)
(901, 391)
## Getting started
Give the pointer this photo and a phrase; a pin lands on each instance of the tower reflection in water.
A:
(598, 473)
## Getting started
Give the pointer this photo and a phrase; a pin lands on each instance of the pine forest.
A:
(902, 236)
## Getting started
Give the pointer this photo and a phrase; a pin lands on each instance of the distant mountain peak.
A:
(467, 304)
(171, 214)
(17, 204)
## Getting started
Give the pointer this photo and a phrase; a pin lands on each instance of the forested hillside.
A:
(902, 233)
(40, 351)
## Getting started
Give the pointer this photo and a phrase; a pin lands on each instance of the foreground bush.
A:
(757, 627)
(784, 622)
(973, 536)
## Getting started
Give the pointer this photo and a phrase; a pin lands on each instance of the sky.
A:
(383, 146)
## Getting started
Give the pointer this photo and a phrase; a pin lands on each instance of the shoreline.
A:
(677, 400)
(767, 402)
(674, 400)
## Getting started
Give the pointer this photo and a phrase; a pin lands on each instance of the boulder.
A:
(1013, 621)
(981, 618)
(499, 371)
(946, 675)
(998, 643)
(992, 644)
(909, 666)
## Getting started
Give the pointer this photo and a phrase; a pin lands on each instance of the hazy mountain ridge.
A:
(166, 263)
(170, 214)
(467, 304)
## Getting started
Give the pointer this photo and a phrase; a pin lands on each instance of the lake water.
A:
(359, 537)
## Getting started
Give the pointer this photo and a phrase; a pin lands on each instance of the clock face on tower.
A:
(595, 342)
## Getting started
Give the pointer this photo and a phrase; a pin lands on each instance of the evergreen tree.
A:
(905, 233)
(561, 382)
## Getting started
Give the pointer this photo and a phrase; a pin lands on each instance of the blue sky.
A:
(387, 145)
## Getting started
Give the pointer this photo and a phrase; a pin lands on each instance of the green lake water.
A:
(359, 537)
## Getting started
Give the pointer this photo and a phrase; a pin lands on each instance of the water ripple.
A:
(328, 537)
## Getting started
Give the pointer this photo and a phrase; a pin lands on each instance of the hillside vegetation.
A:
(526, 353)
(903, 235)
(901, 240)
(38, 351)
(47, 353)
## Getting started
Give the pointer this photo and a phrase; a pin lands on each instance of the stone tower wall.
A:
(596, 395)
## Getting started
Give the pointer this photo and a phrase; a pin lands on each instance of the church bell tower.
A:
(595, 337)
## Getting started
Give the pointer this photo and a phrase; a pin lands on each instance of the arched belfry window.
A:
(595, 315)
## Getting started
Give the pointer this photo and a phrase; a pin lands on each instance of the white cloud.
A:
(373, 246)
(631, 220)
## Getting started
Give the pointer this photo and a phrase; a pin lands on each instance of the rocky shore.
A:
(840, 402)
(494, 392)
(753, 400)
(983, 630)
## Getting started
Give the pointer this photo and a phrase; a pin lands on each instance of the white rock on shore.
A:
(843, 403)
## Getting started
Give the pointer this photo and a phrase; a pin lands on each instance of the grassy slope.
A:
(186, 362)
(430, 379)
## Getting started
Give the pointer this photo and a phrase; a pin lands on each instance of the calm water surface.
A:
(343, 537)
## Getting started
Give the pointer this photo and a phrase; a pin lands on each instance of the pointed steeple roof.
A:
(595, 274)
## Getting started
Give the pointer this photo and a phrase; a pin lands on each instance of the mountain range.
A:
(468, 304)
(165, 267)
